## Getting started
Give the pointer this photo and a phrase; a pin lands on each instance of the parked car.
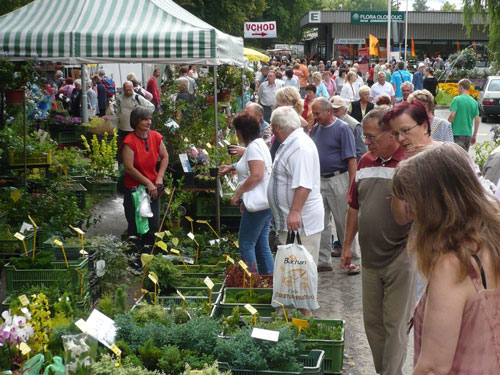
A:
(489, 98)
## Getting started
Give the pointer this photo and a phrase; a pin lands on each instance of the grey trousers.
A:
(388, 300)
(334, 192)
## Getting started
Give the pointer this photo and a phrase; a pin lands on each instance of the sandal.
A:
(353, 269)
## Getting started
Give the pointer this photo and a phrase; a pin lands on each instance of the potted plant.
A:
(14, 77)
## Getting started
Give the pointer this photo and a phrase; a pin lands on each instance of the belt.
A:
(334, 173)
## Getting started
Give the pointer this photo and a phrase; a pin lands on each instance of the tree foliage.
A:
(11, 5)
(356, 5)
(448, 7)
(420, 6)
(487, 9)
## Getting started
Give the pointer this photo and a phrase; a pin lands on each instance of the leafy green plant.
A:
(135, 334)
(15, 75)
(44, 259)
(245, 296)
(113, 303)
(150, 355)
(482, 151)
(171, 361)
(167, 273)
(107, 366)
(198, 334)
(102, 156)
(207, 370)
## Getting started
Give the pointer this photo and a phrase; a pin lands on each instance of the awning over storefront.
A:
(78, 31)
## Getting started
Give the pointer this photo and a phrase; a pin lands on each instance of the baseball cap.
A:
(338, 102)
(421, 65)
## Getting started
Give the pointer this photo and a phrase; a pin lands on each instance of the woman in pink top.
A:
(455, 239)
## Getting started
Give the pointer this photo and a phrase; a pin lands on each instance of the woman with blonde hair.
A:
(349, 89)
(320, 86)
(289, 96)
(455, 239)
(440, 128)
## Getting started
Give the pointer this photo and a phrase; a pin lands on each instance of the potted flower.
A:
(14, 77)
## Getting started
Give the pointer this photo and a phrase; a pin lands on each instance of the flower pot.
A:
(188, 179)
(214, 172)
(210, 100)
(14, 97)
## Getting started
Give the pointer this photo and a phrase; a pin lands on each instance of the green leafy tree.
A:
(226, 15)
(356, 5)
(487, 9)
(447, 7)
(420, 6)
(11, 5)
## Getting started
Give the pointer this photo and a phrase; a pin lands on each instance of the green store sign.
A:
(376, 17)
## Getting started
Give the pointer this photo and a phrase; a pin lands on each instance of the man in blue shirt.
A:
(397, 78)
(418, 77)
(336, 146)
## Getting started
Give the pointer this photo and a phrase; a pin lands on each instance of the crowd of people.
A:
(366, 153)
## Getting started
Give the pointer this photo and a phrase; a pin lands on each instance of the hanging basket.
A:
(14, 96)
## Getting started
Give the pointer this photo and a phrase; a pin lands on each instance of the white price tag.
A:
(265, 334)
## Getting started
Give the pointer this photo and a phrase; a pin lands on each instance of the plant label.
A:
(15, 195)
(167, 232)
(146, 259)
(300, 323)
(181, 295)
(101, 328)
(209, 283)
(237, 244)
(202, 222)
(77, 230)
(26, 228)
(221, 145)
(19, 236)
(175, 241)
(83, 252)
(160, 235)
(177, 252)
(24, 300)
(115, 349)
(153, 277)
(265, 334)
(81, 325)
(243, 265)
(209, 146)
(191, 235)
(58, 243)
(252, 310)
(226, 142)
(189, 218)
(162, 245)
(229, 259)
(24, 348)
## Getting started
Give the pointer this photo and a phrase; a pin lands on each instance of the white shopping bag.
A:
(295, 280)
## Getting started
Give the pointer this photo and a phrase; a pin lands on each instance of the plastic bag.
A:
(139, 197)
(56, 368)
(295, 276)
(33, 365)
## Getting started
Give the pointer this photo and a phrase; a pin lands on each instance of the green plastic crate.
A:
(334, 349)
(16, 159)
(185, 290)
(205, 207)
(192, 270)
(78, 190)
(17, 279)
(13, 247)
(263, 309)
(313, 364)
(101, 187)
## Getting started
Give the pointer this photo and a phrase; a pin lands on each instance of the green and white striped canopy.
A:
(78, 31)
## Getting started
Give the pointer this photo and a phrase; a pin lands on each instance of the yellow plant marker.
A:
(284, 310)
(175, 241)
(160, 235)
(208, 224)
(24, 300)
(81, 233)
(146, 259)
(190, 219)
(24, 348)
(183, 300)
(178, 253)
(154, 278)
(59, 243)
(162, 245)
(81, 281)
(237, 244)
(115, 349)
(249, 280)
(243, 265)
(20, 237)
(167, 232)
(208, 145)
(210, 285)
(300, 323)
(229, 259)
(252, 310)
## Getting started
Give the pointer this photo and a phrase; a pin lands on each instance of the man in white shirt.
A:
(267, 91)
(294, 188)
(382, 88)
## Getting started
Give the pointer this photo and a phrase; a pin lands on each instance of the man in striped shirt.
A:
(388, 275)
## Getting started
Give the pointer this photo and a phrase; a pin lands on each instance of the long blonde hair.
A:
(452, 212)
(289, 95)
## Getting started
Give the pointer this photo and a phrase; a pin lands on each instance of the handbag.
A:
(256, 199)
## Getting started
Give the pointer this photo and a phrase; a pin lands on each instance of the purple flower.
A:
(77, 120)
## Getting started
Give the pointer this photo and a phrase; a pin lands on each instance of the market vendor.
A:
(141, 150)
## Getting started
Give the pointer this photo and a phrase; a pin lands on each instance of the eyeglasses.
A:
(403, 132)
(371, 138)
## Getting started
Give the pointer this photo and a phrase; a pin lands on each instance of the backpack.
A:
(138, 91)
(109, 86)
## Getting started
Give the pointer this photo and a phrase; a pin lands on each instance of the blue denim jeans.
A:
(254, 241)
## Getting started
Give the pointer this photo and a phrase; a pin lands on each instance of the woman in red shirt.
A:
(141, 151)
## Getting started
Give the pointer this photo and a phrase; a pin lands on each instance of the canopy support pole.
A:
(406, 32)
(242, 88)
(218, 187)
(84, 112)
(25, 155)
